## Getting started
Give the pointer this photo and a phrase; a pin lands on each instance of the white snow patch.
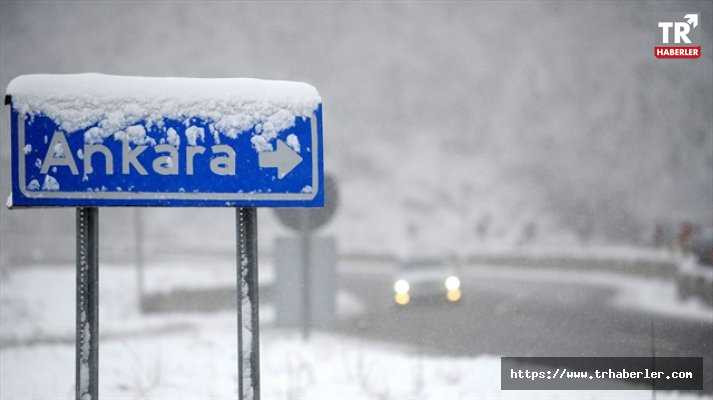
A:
(34, 185)
(260, 143)
(172, 138)
(293, 142)
(246, 330)
(135, 134)
(691, 267)
(660, 297)
(50, 183)
(58, 150)
(95, 135)
(84, 352)
(193, 133)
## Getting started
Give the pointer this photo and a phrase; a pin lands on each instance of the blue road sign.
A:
(170, 164)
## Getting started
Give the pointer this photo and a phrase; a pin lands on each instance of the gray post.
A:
(87, 335)
(139, 255)
(306, 245)
(247, 296)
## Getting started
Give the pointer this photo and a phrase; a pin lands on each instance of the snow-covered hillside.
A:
(448, 125)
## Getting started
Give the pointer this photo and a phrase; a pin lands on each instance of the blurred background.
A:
(537, 146)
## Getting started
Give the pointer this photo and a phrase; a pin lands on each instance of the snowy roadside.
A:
(649, 295)
(197, 359)
(38, 305)
(202, 365)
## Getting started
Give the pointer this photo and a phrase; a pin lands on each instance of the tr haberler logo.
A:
(676, 38)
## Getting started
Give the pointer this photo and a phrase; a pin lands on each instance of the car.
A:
(432, 279)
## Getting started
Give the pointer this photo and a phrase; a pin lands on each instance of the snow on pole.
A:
(247, 297)
(87, 333)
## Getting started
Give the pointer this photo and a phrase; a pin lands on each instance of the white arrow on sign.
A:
(284, 159)
(692, 19)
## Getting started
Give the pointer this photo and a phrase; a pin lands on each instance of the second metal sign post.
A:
(247, 305)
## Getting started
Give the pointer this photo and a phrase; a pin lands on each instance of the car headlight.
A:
(453, 295)
(402, 298)
(452, 283)
(401, 286)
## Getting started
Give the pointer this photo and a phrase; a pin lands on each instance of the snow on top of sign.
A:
(109, 104)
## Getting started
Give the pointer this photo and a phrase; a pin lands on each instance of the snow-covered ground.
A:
(197, 273)
(38, 303)
(191, 356)
(201, 365)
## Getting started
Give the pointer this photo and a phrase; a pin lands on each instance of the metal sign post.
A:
(87, 334)
(144, 142)
(306, 244)
(248, 301)
(139, 255)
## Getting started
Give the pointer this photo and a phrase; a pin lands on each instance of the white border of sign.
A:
(168, 195)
